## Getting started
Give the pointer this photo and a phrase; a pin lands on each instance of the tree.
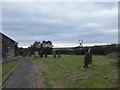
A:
(23, 51)
(45, 46)
(16, 49)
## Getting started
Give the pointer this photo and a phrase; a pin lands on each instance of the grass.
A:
(0, 72)
(67, 72)
(19, 56)
(6, 68)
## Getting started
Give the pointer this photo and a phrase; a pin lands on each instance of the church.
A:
(7, 48)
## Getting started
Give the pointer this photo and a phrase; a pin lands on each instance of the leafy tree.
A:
(45, 46)
(16, 49)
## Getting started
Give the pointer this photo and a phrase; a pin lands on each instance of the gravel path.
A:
(25, 76)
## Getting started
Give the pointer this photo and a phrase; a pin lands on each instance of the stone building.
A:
(7, 48)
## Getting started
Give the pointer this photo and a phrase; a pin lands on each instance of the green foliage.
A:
(45, 46)
(96, 50)
(16, 49)
(112, 48)
(22, 52)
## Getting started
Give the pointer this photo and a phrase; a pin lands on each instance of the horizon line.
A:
(72, 46)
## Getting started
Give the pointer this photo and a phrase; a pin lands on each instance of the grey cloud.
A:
(60, 22)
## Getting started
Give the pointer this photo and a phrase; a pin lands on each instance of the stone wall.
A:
(113, 55)
(8, 52)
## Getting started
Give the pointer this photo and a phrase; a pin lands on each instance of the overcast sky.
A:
(62, 23)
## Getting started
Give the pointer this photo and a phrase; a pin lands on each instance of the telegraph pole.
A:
(80, 43)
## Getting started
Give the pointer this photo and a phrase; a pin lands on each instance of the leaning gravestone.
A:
(45, 54)
(41, 54)
(54, 54)
(90, 56)
(36, 54)
(59, 54)
(87, 59)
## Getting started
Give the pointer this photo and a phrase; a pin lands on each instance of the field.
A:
(6, 68)
(68, 72)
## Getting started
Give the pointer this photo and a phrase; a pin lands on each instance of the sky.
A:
(63, 23)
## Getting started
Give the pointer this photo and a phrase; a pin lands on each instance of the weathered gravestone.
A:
(45, 54)
(90, 57)
(36, 54)
(24, 54)
(59, 54)
(54, 54)
(29, 54)
(41, 54)
(87, 58)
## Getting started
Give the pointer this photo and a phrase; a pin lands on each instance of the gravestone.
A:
(36, 54)
(29, 54)
(59, 54)
(88, 58)
(24, 54)
(54, 54)
(45, 54)
(41, 54)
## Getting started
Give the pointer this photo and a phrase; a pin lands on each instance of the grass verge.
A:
(67, 72)
(6, 68)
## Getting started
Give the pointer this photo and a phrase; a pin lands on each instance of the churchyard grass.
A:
(0, 72)
(68, 72)
(19, 56)
(6, 68)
